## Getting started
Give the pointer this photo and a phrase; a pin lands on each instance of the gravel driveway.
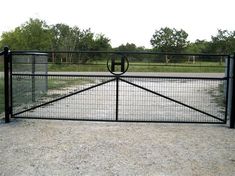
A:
(41, 147)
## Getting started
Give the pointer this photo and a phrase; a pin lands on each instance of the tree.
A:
(169, 40)
(35, 34)
(127, 47)
(65, 38)
(91, 42)
(199, 46)
(132, 47)
(13, 39)
(101, 43)
(223, 42)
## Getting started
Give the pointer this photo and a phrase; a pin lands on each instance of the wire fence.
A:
(28, 89)
(157, 87)
(172, 99)
(69, 97)
(139, 62)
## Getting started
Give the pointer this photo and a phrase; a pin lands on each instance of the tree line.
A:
(35, 34)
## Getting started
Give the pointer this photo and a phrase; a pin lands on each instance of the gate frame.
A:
(8, 83)
(232, 113)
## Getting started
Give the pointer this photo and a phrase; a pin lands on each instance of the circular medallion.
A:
(117, 64)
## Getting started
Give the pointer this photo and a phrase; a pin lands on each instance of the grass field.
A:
(204, 67)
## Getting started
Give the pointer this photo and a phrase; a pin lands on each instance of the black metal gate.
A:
(117, 86)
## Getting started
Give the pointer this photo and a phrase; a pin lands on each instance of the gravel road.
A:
(41, 147)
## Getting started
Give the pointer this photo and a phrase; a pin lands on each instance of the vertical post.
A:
(33, 78)
(6, 84)
(117, 96)
(46, 72)
(226, 88)
(10, 82)
(232, 115)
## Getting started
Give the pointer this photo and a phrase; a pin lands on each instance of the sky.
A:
(122, 21)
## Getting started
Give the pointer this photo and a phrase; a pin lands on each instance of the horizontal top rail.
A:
(62, 75)
(24, 52)
(123, 76)
(30, 53)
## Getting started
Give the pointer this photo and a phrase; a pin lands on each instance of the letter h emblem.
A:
(114, 63)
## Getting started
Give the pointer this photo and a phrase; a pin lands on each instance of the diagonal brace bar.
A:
(66, 96)
(178, 102)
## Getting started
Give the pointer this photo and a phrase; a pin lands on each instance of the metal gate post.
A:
(6, 85)
(232, 116)
(33, 78)
(117, 96)
(227, 87)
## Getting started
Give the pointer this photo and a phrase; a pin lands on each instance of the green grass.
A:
(100, 66)
(203, 67)
(77, 67)
(172, 68)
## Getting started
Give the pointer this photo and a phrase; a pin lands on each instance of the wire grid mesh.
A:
(90, 98)
(82, 94)
(136, 104)
(26, 89)
(176, 63)
(98, 100)
(77, 62)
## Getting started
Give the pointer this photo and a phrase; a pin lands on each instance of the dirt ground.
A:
(44, 147)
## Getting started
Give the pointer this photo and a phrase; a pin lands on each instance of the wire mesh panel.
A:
(74, 97)
(157, 87)
(28, 89)
(173, 100)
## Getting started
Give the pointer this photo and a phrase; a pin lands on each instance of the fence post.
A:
(6, 84)
(33, 78)
(117, 97)
(232, 115)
